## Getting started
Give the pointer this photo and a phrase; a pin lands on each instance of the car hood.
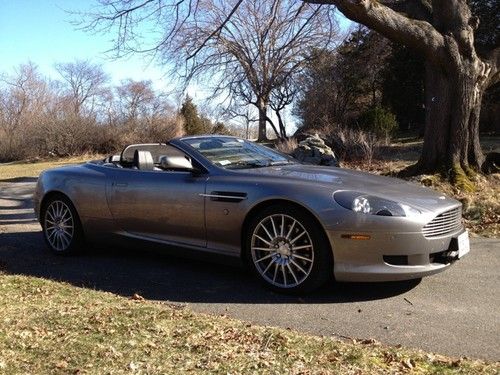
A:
(346, 179)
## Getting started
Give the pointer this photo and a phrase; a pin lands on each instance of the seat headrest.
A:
(143, 160)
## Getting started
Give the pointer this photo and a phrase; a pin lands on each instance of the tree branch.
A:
(417, 34)
(216, 31)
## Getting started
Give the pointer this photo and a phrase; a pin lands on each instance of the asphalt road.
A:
(454, 313)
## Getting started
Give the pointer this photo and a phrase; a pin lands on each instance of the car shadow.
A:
(166, 276)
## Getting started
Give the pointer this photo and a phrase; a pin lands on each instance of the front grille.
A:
(445, 223)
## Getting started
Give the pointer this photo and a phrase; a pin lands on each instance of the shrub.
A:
(380, 121)
(353, 144)
(287, 146)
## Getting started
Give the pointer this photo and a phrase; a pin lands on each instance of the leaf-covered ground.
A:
(53, 327)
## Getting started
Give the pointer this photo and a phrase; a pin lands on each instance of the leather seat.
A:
(143, 160)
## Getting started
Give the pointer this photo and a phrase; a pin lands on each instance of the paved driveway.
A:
(454, 313)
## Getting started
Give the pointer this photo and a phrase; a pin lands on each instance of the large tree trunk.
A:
(437, 119)
(262, 107)
(453, 105)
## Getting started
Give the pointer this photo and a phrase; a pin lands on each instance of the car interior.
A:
(150, 157)
(223, 152)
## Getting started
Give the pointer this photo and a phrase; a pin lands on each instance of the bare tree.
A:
(136, 99)
(22, 102)
(281, 98)
(244, 49)
(457, 73)
(145, 113)
(84, 83)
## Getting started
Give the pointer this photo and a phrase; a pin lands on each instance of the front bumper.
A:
(389, 256)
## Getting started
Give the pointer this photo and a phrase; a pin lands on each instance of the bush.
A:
(287, 146)
(353, 144)
(380, 121)
(348, 144)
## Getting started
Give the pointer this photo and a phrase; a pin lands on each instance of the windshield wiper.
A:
(258, 164)
(247, 164)
(280, 162)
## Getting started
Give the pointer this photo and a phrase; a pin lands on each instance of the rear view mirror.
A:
(175, 162)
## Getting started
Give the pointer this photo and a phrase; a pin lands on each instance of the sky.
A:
(41, 31)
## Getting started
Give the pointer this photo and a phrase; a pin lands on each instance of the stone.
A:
(313, 150)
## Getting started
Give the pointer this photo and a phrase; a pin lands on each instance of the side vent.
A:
(226, 196)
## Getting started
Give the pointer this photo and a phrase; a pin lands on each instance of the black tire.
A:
(58, 213)
(303, 275)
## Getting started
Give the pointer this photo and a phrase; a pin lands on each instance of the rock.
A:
(313, 150)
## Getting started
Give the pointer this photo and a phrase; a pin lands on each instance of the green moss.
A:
(460, 180)
(470, 172)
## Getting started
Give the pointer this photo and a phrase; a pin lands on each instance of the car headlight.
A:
(372, 205)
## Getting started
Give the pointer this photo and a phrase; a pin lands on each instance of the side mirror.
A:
(175, 162)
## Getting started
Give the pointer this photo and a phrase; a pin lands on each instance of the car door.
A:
(162, 205)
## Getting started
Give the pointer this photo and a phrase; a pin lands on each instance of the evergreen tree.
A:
(193, 122)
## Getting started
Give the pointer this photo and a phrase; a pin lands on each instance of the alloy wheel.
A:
(59, 225)
(282, 250)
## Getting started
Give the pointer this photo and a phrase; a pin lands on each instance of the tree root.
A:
(460, 177)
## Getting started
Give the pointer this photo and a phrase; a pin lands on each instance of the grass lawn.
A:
(54, 327)
(33, 168)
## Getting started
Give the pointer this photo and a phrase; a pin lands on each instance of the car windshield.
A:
(235, 153)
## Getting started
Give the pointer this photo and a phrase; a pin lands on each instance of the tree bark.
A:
(262, 108)
(281, 125)
(437, 113)
(453, 105)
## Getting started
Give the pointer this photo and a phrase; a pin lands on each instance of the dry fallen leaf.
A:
(408, 363)
(137, 297)
(62, 364)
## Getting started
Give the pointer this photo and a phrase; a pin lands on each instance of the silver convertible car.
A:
(295, 225)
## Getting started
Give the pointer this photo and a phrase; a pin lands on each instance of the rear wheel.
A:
(288, 251)
(61, 226)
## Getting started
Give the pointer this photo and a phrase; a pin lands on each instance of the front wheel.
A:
(61, 226)
(288, 251)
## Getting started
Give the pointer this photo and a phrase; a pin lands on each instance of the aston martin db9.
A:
(295, 225)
